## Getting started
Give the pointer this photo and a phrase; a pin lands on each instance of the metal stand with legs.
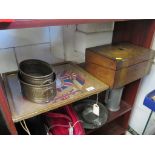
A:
(147, 122)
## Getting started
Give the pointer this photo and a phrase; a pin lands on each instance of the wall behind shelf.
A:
(79, 37)
(52, 44)
(36, 43)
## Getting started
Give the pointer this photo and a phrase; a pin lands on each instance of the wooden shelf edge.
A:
(18, 117)
(30, 115)
(124, 108)
(110, 129)
(52, 22)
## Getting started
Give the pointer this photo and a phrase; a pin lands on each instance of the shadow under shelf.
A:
(111, 128)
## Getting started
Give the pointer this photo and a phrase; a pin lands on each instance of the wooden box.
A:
(118, 65)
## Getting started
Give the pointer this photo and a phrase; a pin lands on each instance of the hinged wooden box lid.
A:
(119, 64)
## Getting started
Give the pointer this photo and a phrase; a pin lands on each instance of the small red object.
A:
(59, 123)
(6, 20)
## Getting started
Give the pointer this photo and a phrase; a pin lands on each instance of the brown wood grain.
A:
(96, 58)
(127, 75)
(102, 73)
(138, 32)
(118, 65)
(128, 54)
